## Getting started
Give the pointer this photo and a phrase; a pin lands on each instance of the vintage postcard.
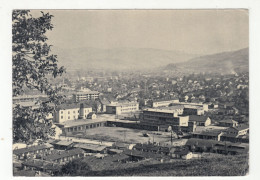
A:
(130, 92)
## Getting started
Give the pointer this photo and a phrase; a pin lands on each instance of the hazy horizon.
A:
(144, 39)
(189, 31)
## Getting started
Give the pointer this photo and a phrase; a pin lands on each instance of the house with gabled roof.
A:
(91, 148)
(182, 153)
(32, 151)
(63, 144)
(64, 156)
(240, 129)
(228, 123)
(213, 135)
(41, 165)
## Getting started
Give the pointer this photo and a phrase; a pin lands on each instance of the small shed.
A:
(183, 154)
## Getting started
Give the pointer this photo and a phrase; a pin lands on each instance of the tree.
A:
(204, 149)
(75, 167)
(32, 66)
(193, 148)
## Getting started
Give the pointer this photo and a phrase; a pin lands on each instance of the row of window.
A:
(80, 128)
(74, 117)
(161, 118)
(75, 111)
(160, 114)
(128, 109)
(69, 112)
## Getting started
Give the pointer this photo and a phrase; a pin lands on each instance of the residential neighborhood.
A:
(130, 92)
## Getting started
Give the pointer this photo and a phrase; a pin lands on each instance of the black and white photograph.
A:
(130, 92)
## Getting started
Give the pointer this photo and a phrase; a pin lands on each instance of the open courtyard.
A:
(119, 134)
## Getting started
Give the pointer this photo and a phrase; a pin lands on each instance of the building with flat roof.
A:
(200, 120)
(85, 95)
(193, 110)
(121, 108)
(68, 112)
(81, 125)
(205, 107)
(166, 116)
(26, 98)
(160, 103)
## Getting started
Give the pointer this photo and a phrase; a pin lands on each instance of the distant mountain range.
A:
(225, 62)
(122, 59)
(118, 59)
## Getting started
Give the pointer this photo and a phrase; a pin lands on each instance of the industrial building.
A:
(121, 108)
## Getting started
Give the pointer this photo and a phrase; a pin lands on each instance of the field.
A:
(120, 134)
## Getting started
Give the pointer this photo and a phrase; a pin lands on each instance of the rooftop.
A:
(72, 106)
(122, 104)
(209, 133)
(93, 147)
(228, 121)
(192, 107)
(68, 106)
(201, 142)
(64, 143)
(116, 150)
(164, 100)
(170, 109)
(116, 157)
(80, 122)
(189, 103)
(42, 164)
(32, 148)
(198, 118)
(142, 154)
(241, 127)
(63, 154)
(183, 151)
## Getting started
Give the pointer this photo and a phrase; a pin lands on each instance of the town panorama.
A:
(97, 109)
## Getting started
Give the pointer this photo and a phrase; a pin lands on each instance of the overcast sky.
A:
(192, 31)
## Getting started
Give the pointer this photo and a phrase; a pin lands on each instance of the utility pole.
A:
(170, 129)
(124, 136)
(171, 137)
